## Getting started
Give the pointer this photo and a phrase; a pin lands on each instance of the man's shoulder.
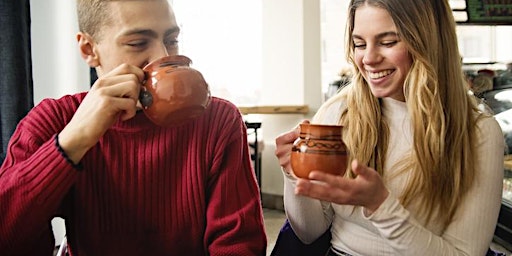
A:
(65, 105)
(223, 113)
(66, 100)
(220, 104)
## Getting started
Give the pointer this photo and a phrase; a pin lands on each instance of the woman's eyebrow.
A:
(378, 36)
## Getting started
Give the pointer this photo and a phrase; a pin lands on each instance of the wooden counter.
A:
(285, 109)
(508, 162)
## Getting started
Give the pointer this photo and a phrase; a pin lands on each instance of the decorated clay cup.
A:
(173, 92)
(319, 148)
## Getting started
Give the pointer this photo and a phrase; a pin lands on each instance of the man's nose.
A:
(159, 52)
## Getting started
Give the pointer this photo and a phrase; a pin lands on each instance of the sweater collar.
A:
(139, 122)
(392, 107)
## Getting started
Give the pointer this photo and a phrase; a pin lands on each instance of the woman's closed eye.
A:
(359, 45)
(389, 43)
(383, 43)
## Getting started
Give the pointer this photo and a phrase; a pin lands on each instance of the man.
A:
(124, 185)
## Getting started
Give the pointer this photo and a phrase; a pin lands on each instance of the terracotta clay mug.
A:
(319, 148)
(173, 92)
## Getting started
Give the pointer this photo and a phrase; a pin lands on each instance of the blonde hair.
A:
(443, 115)
(92, 16)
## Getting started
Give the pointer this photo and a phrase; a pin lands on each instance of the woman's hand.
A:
(284, 143)
(367, 189)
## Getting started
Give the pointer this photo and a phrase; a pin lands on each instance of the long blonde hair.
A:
(442, 113)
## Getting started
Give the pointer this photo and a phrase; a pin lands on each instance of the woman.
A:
(426, 166)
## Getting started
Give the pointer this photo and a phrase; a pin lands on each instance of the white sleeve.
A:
(472, 229)
(309, 218)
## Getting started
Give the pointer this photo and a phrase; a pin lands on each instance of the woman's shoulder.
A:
(330, 111)
(488, 122)
(489, 130)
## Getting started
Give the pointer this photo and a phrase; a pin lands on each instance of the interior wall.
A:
(57, 67)
(291, 74)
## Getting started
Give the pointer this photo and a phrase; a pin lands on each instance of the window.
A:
(482, 43)
(223, 39)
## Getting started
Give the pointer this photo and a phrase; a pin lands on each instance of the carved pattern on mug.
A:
(320, 148)
(313, 147)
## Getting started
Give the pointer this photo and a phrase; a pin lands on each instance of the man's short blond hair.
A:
(92, 16)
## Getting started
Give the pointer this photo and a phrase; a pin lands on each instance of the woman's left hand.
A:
(367, 189)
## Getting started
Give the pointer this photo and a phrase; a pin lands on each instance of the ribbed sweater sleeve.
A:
(143, 189)
(235, 221)
(34, 178)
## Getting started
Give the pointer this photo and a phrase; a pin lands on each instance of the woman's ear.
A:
(86, 46)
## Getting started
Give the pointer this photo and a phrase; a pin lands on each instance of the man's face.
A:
(140, 31)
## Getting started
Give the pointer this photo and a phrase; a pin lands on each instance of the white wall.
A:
(57, 67)
(56, 64)
(291, 73)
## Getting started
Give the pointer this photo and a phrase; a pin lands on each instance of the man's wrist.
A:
(63, 153)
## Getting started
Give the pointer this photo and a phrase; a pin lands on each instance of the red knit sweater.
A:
(143, 189)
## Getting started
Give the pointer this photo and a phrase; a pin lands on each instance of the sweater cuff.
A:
(78, 166)
(386, 207)
(288, 175)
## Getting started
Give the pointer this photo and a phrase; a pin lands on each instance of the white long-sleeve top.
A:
(397, 230)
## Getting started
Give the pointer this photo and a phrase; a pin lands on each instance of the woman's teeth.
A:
(380, 74)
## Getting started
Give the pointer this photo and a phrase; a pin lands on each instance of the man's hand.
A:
(113, 96)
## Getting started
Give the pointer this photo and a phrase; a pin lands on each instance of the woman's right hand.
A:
(284, 143)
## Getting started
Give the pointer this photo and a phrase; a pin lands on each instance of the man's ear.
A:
(86, 46)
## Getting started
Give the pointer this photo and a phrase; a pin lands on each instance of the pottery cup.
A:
(319, 148)
(173, 92)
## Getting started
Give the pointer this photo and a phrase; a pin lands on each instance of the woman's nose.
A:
(371, 56)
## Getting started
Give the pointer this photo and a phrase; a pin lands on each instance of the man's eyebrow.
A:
(137, 31)
(149, 32)
(379, 36)
(172, 31)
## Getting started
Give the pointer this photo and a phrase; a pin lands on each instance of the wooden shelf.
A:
(508, 162)
(290, 109)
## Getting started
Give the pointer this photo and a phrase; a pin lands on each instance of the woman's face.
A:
(380, 55)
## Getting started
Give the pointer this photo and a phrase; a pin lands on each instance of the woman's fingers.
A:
(325, 187)
(366, 189)
(284, 144)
